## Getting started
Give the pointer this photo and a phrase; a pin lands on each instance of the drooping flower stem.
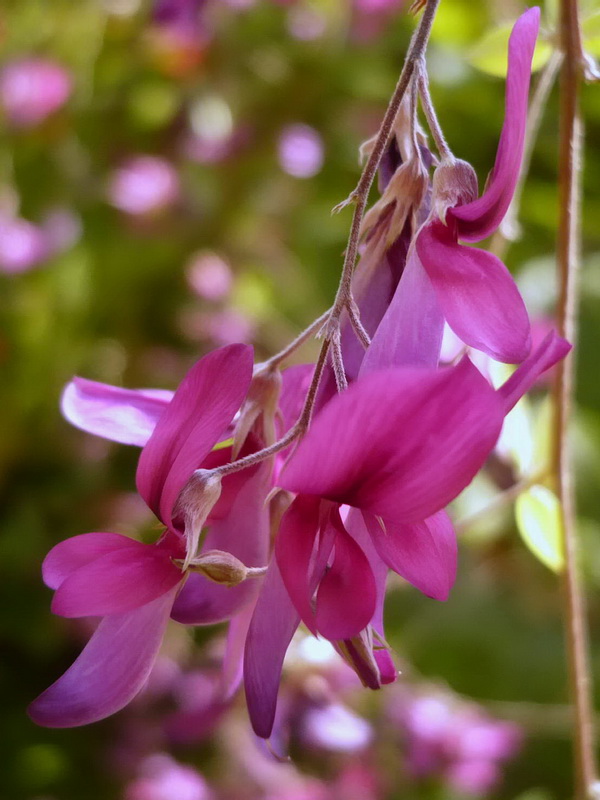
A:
(343, 299)
(568, 269)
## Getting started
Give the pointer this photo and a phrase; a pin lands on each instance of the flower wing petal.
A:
(72, 554)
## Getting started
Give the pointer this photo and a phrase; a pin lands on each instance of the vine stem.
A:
(568, 261)
(343, 298)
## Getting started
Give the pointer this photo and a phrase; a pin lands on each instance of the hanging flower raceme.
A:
(131, 585)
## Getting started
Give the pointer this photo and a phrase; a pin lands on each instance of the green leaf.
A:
(490, 54)
(539, 522)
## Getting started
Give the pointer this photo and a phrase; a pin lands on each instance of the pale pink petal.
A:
(411, 331)
(110, 671)
(400, 443)
(202, 408)
(244, 533)
(347, 594)
(477, 295)
(232, 669)
(273, 624)
(117, 582)
(72, 554)
(294, 551)
(547, 354)
(423, 553)
(479, 219)
(127, 416)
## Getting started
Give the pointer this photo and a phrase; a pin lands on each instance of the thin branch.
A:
(311, 330)
(568, 272)
(431, 117)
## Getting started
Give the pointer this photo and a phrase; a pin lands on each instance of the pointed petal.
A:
(232, 670)
(549, 352)
(202, 408)
(347, 594)
(273, 624)
(294, 549)
(244, 533)
(110, 671)
(423, 553)
(411, 331)
(477, 295)
(357, 528)
(127, 416)
(72, 554)
(400, 443)
(117, 582)
(479, 219)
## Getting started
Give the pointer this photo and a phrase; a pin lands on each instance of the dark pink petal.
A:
(480, 218)
(347, 594)
(202, 408)
(387, 669)
(477, 295)
(400, 443)
(117, 582)
(273, 624)
(295, 383)
(547, 354)
(294, 551)
(410, 333)
(244, 533)
(110, 671)
(122, 415)
(357, 528)
(423, 553)
(72, 554)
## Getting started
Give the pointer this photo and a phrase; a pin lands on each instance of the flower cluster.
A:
(287, 497)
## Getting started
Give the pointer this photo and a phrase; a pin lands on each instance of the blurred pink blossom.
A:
(300, 151)
(209, 276)
(144, 185)
(334, 727)
(25, 245)
(163, 778)
(31, 89)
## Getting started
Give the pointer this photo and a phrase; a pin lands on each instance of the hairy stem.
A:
(568, 269)
(431, 117)
(307, 333)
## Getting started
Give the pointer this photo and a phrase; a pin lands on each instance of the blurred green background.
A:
(121, 299)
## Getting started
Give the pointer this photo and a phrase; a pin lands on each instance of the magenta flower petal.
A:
(117, 582)
(347, 594)
(357, 528)
(387, 669)
(127, 416)
(244, 533)
(411, 331)
(232, 669)
(424, 553)
(295, 383)
(273, 624)
(294, 549)
(202, 408)
(477, 294)
(548, 353)
(110, 671)
(399, 443)
(480, 218)
(78, 551)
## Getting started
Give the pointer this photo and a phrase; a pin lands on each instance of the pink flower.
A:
(300, 151)
(133, 586)
(31, 89)
(144, 185)
(475, 291)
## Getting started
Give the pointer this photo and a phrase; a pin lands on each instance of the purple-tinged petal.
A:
(294, 549)
(477, 295)
(202, 408)
(357, 528)
(411, 331)
(480, 218)
(72, 554)
(399, 443)
(127, 416)
(244, 533)
(232, 670)
(347, 594)
(273, 624)
(117, 582)
(110, 671)
(295, 383)
(387, 669)
(423, 553)
(547, 354)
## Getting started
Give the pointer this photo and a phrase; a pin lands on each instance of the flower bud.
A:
(195, 503)
(262, 399)
(220, 567)
(454, 184)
